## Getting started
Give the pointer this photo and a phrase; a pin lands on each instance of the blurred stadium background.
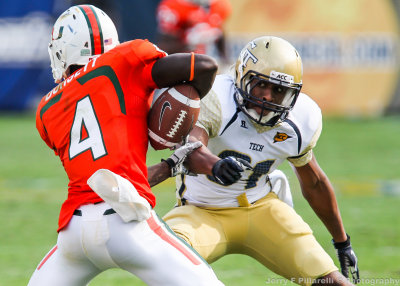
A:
(350, 51)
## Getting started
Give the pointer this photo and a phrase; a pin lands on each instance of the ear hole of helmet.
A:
(73, 68)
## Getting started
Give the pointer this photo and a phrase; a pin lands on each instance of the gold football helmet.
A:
(269, 60)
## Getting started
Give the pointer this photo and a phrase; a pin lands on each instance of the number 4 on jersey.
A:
(85, 131)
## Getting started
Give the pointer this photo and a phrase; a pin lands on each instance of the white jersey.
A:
(232, 133)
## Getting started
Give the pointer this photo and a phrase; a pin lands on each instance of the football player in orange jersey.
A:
(192, 25)
(95, 120)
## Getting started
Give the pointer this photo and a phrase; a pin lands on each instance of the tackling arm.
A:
(226, 171)
(158, 173)
(202, 160)
(176, 68)
(172, 166)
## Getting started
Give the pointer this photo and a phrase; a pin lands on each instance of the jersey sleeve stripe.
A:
(297, 157)
(49, 104)
(108, 72)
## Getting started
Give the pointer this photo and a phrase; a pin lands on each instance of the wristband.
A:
(169, 162)
(341, 245)
(191, 66)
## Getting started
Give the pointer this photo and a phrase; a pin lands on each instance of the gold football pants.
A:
(269, 230)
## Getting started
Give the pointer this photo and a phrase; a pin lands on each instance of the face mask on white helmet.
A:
(79, 34)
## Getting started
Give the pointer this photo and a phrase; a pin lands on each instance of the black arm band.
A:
(170, 162)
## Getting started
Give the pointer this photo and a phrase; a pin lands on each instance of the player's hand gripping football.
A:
(228, 170)
(347, 259)
(175, 161)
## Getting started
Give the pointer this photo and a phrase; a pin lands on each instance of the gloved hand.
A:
(347, 259)
(175, 161)
(227, 171)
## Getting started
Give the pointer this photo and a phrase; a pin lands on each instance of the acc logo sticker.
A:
(280, 137)
(282, 76)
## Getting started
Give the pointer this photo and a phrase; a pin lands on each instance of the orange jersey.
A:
(176, 17)
(97, 118)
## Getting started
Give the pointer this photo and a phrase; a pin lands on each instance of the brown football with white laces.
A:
(173, 115)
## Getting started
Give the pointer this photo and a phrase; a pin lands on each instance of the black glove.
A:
(227, 171)
(347, 259)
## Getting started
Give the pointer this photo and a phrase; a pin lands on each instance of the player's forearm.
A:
(158, 173)
(323, 201)
(201, 161)
(319, 192)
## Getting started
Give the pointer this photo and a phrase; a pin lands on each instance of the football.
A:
(172, 116)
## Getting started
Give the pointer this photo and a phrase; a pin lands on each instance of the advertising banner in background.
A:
(24, 62)
(25, 29)
(350, 49)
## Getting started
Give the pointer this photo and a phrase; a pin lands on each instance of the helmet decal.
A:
(245, 56)
(60, 33)
(96, 33)
(280, 76)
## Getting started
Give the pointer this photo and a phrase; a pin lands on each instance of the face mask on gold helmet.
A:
(272, 60)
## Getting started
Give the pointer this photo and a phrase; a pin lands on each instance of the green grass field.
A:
(361, 157)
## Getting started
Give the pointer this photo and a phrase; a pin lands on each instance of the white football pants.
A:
(95, 242)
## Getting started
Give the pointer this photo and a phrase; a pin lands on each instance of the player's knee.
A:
(181, 227)
(186, 237)
(316, 263)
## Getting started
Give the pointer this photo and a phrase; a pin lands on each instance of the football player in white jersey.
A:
(251, 122)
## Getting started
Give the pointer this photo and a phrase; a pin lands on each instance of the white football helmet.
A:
(79, 34)
(268, 59)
